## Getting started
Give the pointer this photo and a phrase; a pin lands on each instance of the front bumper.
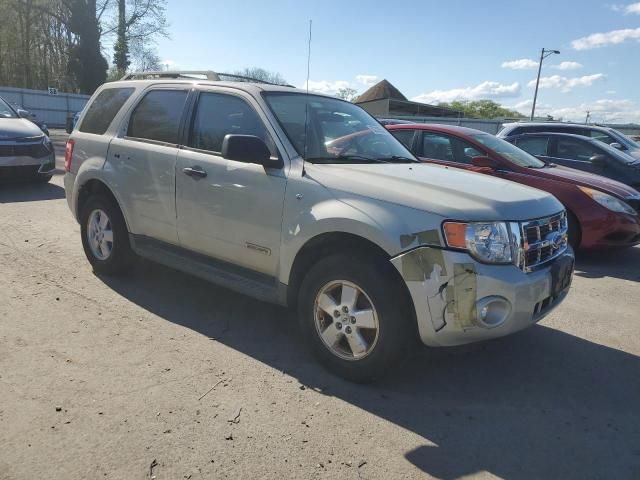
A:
(616, 230)
(21, 167)
(449, 290)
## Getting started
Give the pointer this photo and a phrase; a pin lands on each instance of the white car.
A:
(237, 183)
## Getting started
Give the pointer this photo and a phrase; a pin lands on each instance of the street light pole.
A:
(543, 54)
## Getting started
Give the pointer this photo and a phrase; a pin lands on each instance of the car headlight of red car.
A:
(608, 201)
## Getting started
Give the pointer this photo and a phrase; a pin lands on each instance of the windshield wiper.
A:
(346, 159)
(399, 159)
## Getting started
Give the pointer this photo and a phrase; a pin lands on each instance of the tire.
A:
(106, 257)
(574, 232)
(385, 347)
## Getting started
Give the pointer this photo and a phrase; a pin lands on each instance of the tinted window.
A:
(534, 145)
(103, 109)
(157, 116)
(218, 115)
(602, 136)
(574, 149)
(443, 147)
(405, 136)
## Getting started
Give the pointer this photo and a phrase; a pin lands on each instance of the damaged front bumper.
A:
(459, 300)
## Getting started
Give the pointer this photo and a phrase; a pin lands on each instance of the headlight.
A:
(486, 242)
(609, 202)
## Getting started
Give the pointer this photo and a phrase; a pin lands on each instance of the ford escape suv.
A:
(234, 182)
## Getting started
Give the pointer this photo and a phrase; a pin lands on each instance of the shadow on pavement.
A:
(624, 264)
(539, 404)
(29, 192)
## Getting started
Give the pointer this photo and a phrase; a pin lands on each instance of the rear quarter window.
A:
(103, 109)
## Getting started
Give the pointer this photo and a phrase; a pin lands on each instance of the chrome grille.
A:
(543, 240)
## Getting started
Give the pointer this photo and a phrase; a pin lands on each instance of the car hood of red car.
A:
(586, 179)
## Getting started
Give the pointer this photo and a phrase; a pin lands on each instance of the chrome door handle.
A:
(194, 172)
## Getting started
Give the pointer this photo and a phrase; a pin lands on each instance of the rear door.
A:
(229, 210)
(143, 159)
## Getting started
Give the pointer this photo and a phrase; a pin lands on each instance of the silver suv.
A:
(307, 201)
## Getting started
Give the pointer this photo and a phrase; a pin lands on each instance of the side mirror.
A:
(248, 149)
(616, 145)
(599, 160)
(485, 162)
(23, 113)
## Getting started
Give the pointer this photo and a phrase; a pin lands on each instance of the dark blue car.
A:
(581, 153)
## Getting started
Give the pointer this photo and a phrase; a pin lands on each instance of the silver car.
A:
(26, 153)
(307, 201)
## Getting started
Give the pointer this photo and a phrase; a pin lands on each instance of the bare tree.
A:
(262, 75)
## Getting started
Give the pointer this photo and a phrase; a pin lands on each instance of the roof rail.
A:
(190, 74)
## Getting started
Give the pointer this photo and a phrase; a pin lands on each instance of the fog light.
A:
(492, 312)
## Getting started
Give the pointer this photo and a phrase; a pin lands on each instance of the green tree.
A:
(481, 109)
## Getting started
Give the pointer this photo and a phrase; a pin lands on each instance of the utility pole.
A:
(543, 54)
(586, 120)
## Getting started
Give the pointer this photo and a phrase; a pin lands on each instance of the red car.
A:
(602, 213)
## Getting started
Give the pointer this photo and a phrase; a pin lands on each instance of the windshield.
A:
(6, 111)
(509, 151)
(337, 131)
(624, 139)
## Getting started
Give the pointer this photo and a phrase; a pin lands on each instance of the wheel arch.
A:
(95, 186)
(327, 243)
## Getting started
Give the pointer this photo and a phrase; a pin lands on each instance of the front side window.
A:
(603, 137)
(437, 147)
(509, 151)
(103, 109)
(6, 111)
(219, 114)
(534, 145)
(328, 130)
(573, 149)
(405, 136)
(157, 116)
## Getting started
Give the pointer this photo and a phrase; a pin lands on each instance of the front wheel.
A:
(104, 236)
(355, 316)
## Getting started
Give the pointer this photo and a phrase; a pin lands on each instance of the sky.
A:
(432, 51)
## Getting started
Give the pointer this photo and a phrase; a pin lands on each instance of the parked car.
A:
(26, 153)
(607, 135)
(24, 113)
(602, 213)
(581, 153)
(231, 182)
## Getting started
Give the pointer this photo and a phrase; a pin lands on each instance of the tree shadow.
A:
(624, 264)
(16, 192)
(539, 404)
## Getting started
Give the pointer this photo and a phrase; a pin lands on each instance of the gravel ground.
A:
(162, 375)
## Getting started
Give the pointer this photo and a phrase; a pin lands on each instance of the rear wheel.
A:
(104, 236)
(355, 317)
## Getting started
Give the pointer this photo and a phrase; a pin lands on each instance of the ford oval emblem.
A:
(555, 239)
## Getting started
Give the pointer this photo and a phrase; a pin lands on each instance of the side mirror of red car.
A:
(485, 162)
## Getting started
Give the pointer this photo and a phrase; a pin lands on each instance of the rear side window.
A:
(103, 109)
(534, 145)
(157, 116)
(219, 114)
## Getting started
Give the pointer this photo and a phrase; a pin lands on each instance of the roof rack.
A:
(192, 74)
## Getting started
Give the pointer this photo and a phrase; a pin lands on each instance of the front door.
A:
(227, 209)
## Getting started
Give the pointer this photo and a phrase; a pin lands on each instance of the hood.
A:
(18, 128)
(586, 179)
(448, 192)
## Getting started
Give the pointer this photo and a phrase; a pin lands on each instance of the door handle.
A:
(194, 172)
